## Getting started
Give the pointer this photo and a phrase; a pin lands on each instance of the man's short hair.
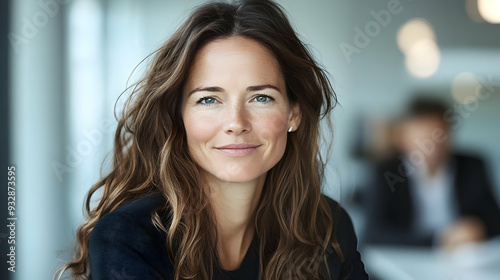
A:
(422, 106)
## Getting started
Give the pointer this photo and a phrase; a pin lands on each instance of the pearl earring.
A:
(290, 129)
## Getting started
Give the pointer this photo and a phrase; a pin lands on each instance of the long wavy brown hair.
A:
(293, 220)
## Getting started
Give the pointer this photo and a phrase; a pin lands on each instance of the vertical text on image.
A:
(11, 218)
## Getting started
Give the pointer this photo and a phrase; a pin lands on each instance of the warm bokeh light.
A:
(489, 10)
(412, 32)
(417, 40)
(472, 11)
(465, 88)
(423, 58)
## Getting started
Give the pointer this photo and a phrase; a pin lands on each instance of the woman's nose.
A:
(237, 121)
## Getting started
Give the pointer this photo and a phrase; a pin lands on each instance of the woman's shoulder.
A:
(351, 267)
(141, 206)
(343, 226)
(133, 216)
(138, 209)
(126, 241)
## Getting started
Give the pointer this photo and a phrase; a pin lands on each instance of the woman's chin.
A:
(238, 177)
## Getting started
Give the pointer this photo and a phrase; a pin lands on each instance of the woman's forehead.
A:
(232, 57)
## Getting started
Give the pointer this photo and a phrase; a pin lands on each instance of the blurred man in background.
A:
(429, 195)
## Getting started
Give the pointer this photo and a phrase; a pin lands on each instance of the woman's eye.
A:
(206, 100)
(263, 98)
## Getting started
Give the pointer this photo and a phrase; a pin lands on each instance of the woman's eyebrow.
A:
(261, 87)
(219, 89)
(211, 89)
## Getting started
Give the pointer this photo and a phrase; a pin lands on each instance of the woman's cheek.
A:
(199, 129)
(275, 124)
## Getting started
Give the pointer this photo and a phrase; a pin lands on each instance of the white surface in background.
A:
(469, 262)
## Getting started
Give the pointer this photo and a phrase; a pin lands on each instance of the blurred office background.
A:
(65, 62)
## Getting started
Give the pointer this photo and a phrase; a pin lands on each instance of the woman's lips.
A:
(238, 149)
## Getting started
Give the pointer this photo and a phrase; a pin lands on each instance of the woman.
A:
(216, 170)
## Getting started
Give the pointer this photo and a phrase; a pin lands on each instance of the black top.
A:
(391, 210)
(124, 244)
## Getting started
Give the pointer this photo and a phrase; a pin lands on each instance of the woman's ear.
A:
(295, 116)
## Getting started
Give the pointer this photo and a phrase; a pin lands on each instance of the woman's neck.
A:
(235, 205)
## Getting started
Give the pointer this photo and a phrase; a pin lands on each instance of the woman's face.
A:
(236, 111)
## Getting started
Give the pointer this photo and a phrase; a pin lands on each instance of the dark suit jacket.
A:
(391, 210)
(124, 244)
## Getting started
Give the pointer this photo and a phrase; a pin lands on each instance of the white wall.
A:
(38, 125)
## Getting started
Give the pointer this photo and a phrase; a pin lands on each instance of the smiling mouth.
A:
(238, 149)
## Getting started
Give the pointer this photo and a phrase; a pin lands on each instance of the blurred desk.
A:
(470, 262)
